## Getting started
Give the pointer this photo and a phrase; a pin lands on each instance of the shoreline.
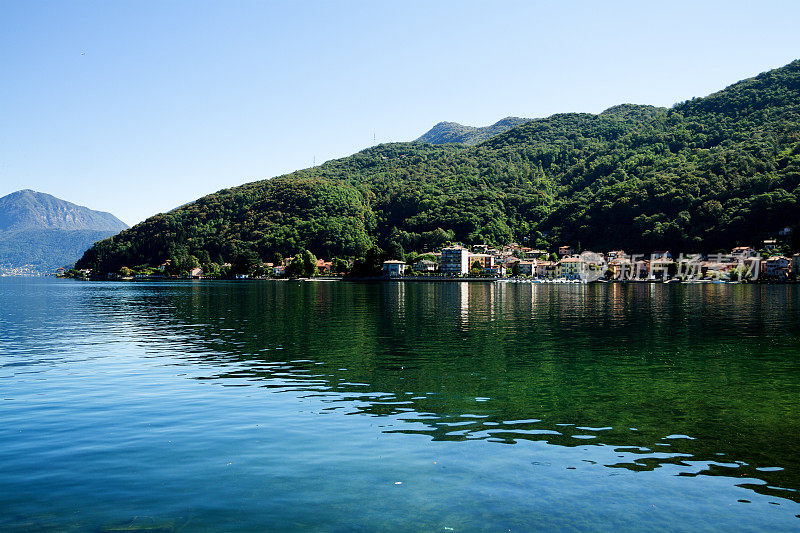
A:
(444, 279)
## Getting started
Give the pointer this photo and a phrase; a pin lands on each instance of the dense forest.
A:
(706, 174)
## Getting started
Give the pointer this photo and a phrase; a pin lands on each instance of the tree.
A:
(204, 257)
(339, 265)
(476, 268)
(245, 263)
(304, 265)
(309, 264)
(672, 269)
(370, 265)
(211, 270)
(741, 273)
(395, 251)
(260, 270)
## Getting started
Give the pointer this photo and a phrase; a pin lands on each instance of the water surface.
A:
(398, 406)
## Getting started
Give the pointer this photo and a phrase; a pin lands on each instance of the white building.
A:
(425, 265)
(394, 268)
(455, 261)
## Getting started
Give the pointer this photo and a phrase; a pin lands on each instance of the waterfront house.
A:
(279, 270)
(196, 273)
(620, 266)
(615, 254)
(740, 253)
(564, 250)
(689, 266)
(496, 271)
(526, 268)
(770, 244)
(485, 260)
(394, 268)
(425, 265)
(641, 269)
(455, 261)
(663, 254)
(715, 269)
(324, 267)
(776, 267)
(570, 268)
(545, 269)
(659, 267)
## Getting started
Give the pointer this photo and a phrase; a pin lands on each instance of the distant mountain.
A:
(27, 209)
(44, 232)
(452, 132)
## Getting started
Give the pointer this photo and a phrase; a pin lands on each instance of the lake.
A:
(334, 406)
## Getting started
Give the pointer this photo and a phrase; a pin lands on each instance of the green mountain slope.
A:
(42, 231)
(708, 173)
(452, 132)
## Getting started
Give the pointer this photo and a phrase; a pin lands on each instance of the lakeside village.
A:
(511, 262)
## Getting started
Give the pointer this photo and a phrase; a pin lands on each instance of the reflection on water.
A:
(682, 382)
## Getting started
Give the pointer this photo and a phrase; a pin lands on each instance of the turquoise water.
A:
(398, 407)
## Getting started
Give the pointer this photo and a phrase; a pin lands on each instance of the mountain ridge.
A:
(453, 132)
(29, 209)
(43, 232)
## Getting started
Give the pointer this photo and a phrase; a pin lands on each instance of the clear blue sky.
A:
(138, 107)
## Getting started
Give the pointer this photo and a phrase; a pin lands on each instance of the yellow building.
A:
(570, 268)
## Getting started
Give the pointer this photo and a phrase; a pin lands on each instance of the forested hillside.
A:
(708, 173)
